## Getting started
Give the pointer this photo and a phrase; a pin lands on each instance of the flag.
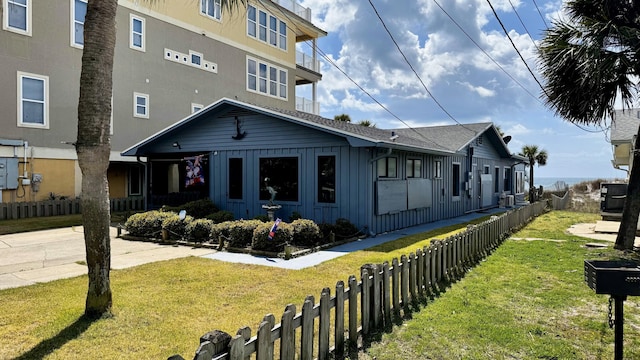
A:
(272, 232)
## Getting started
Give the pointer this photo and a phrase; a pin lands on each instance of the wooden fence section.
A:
(560, 203)
(371, 304)
(23, 210)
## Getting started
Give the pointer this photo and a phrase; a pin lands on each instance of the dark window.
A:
(135, 181)
(235, 178)
(455, 182)
(414, 168)
(326, 179)
(496, 181)
(486, 170)
(281, 174)
(388, 167)
(507, 179)
(437, 171)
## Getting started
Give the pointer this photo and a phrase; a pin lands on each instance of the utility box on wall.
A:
(8, 173)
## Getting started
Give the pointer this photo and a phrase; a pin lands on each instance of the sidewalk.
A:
(42, 256)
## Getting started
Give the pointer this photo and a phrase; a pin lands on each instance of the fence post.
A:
(288, 334)
(365, 300)
(325, 316)
(434, 260)
(306, 346)
(245, 332)
(395, 285)
(339, 333)
(404, 282)
(353, 313)
(264, 348)
(412, 277)
(426, 253)
(420, 271)
(377, 297)
(386, 294)
(236, 348)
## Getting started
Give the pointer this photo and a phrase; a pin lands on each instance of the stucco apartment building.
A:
(172, 58)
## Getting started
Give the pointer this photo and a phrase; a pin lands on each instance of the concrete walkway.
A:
(42, 256)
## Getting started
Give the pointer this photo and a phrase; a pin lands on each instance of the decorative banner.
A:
(272, 233)
(194, 174)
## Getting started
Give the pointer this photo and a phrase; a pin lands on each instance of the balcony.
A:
(307, 62)
(308, 106)
(295, 8)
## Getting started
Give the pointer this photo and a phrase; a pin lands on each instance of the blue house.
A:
(379, 179)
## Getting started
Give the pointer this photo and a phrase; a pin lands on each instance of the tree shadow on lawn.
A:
(48, 346)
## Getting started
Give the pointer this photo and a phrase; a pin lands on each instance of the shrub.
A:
(260, 238)
(295, 216)
(175, 226)
(220, 230)
(221, 216)
(305, 232)
(198, 208)
(148, 224)
(325, 230)
(345, 229)
(262, 217)
(199, 230)
(241, 232)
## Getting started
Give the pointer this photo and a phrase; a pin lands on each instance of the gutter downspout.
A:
(146, 181)
(389, 150)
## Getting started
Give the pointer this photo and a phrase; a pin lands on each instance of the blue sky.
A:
(466, 82)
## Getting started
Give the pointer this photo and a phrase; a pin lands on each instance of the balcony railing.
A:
(308, 106)
(296, 8)
(307, 61)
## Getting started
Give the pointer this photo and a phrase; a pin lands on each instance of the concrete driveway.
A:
(43, 256)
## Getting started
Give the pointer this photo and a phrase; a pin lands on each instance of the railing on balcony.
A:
(308, 106)
(307, 61)
(296, 8)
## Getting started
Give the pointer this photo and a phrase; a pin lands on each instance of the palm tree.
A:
(93, 145)
(535, 156)
(366, 123)
(588, 60)
(342, 117)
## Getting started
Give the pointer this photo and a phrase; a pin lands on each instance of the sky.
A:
(461, 82)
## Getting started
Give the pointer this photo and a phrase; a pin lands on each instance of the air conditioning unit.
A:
(511, 201)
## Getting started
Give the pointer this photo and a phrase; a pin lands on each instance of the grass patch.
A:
(39, 223)
(528, 300)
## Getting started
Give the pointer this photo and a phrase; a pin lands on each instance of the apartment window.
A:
(33, 97)
(235, 178)
(496, 183)
(519, 182)
(141, 105)
(195, 58)
(210, 8)
(455, 180)
(78, 12)
(486, 169)
(196, 107)
(266, 28)
(437, 169)
(251, 21)
(17, 16)
(137, 40)
(283, 35)
(135, 181)
(281, 174)
(327, 179)
(388, 167)
(507, 179)
(414, 168)
(266, 79)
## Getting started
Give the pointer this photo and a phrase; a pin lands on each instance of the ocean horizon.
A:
(548, 182)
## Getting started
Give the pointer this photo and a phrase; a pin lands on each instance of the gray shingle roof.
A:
(625, 125)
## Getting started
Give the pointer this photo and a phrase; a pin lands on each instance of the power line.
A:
(487, 54)
(523, 25)
(514, 47)
(540, 13)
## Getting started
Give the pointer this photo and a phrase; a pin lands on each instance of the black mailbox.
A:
(617, 277)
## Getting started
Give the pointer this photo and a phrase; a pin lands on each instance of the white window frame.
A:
(44, 102)
(196, 107)
(266, 32)
(281, 85)
(437, 169)
(73, 25)
(136, 96)
(132, 33)
(217, 9)
(5, 17)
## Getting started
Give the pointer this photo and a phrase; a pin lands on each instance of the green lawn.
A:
(527, 300)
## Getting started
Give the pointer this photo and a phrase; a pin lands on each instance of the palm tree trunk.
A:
(532, 193)
(631, 210)
(93, 148)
